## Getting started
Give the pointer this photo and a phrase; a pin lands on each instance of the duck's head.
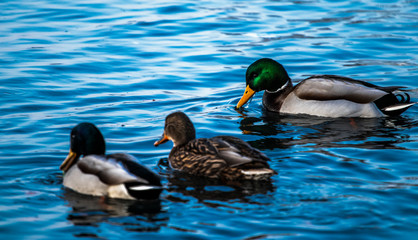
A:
(85, 139)
(263, 74)
(178, 128)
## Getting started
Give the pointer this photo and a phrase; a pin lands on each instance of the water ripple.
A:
(125, 66)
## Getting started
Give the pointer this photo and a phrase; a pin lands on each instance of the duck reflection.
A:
(211, 192)
(91, 211)
(284, 131)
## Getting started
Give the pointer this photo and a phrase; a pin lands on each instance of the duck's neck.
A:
(273, 101)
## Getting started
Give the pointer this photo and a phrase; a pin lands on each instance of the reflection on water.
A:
(216, 194)
(207, 190)
(92, 211)
(126, 65)
(284, 131)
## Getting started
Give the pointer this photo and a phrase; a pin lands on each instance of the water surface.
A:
(125, 65)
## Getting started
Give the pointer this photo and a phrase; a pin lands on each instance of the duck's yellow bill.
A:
(163, 139)
(68, 161)
(247, 95)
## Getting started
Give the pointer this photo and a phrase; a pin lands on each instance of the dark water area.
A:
(126, 65)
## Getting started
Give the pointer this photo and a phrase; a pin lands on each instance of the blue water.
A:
(125, 65)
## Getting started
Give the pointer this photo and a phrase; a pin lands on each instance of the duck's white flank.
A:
(334, 108)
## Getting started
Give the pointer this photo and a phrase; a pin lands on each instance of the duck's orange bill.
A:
(68, 162)
(247, 95)
(163, 139)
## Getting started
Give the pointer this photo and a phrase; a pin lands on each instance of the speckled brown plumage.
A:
(222, 157)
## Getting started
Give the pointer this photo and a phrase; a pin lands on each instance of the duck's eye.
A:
(255, 75)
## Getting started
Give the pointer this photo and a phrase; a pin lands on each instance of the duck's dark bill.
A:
(68, 161)
(163, 139)
(247, 95)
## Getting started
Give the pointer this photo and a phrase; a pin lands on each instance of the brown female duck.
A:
(222, 157)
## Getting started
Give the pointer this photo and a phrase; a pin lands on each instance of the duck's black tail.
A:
(394, 104)
(143, 191)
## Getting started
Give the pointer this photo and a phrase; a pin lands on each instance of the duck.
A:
(226, 158)
(88, 170)
(321, 95)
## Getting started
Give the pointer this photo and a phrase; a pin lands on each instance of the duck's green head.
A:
(178, 128)
(85, 139)
(263, 74)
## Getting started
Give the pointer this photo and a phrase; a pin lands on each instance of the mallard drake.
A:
(223, 157)
(115, 175)
(321, 95)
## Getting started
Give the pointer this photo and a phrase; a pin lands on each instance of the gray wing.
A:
(236, 151)
(108, 171)
(330, 87)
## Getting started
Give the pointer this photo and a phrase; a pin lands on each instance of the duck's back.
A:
(222, 157)
(332, 87)
(197, 157)
(115, 176)
(334, 96)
